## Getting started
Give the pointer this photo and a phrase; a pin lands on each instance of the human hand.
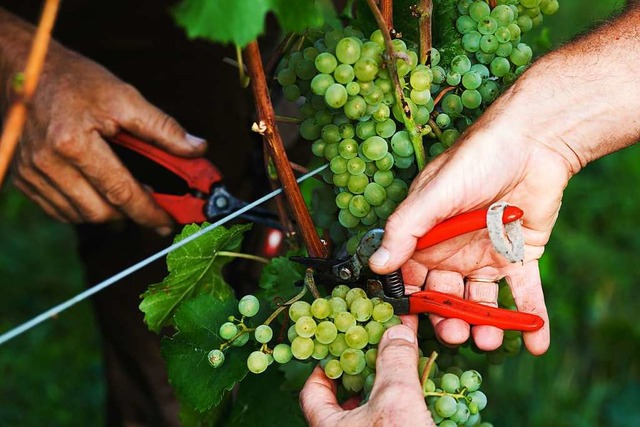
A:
(63, 162)
(396, 398)
(490, 163)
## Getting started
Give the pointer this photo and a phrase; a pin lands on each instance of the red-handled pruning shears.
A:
(390, 287)
(206, 197)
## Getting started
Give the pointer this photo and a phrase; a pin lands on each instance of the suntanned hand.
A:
(63, 161)
(523, 151)
(396, 398)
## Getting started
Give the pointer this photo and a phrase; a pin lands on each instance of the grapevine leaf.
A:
(242, 21)
(262, 402)
(194, 269)
(278, 278)
(445, 35)
(296, 374)
(194, 380)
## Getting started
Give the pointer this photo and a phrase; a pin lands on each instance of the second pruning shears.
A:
(390, 287)
(205, 196)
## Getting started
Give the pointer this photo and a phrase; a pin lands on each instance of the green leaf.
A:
(278, 279)
(262, 402)
(242, 21)
(296, 374)
(194, 269)
(194, 380)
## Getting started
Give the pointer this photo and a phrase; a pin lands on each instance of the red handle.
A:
(450, 306)
(462, 224)
(199, 174)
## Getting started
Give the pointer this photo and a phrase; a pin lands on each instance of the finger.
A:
(526, 287)
(449, 331)
(47, 207)
(116, 184)
(146, 121)
(318, 398)
(411, 321)
(486, 337)
(414, 273)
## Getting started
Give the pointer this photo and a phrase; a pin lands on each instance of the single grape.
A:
(500, 66)
(282, 353)
(354, 294)
(355, 108)
(386, 209)
(257, 362)
(488, 43)
(249, 306)
(353, 383)
(216, 358)
(263, 334)
(447, 423)
(356, 337)
(453, 78)
(325, 63)
(451, 104)
(338, 346)
(299, 309)
(525, 23)
(504, 49)
(309, 129)
(382, 312)
(306, 326)
(305, 69)
(395, 320)
(478, 10)
(340, 291)
(521, 55)
(338, 305)
(333, 369)
(320, 308)
(228, 330)
(336, 95)
(471, 99)
(435, 57)
(446, 405)
(358, 206)
(286, 77)
(348, 50)
(352, 361)
(326, 332)
(471, 380)
(375, 194)
(462, 413)
(375, 148)
(291, 333)
(374, 331)
(344, 320)
(387, 128)
(488, 25)
(479, 398)
(320, 351)
(365, 69)
(471, 80)
(356, 166)
(448, 137)
(465, 24)
(471, 41)
(302, 348)
(450, 383)
(344, 74)
(357, 183)
(361, 308)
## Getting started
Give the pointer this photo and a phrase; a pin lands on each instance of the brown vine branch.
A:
(390, 58)
(386, 8)
(17, 113)
(281, 208)
(442, 93)
(267, 128)
(425, 13)
(493, 3)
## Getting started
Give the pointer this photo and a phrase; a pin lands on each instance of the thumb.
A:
(154, 125)
(318, 398)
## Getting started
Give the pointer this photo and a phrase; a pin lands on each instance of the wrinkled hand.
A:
(396, 398)
(486, 165)
(63, 162)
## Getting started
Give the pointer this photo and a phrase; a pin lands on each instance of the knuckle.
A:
(96, 214)
(68, 147)
(119, 194)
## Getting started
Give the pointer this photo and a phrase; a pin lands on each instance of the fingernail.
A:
(195, 141)
(380, 257)
(401, 333)
(164, 231)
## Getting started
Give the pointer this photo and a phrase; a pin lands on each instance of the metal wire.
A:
(20, 329)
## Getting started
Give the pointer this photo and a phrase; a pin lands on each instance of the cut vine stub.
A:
(507, 239)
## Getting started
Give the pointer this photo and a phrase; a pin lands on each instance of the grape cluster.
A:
(342, 331)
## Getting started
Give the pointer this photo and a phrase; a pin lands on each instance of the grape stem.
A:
(17, 112)
(286, 119)
(277, 55)
(492, 3)
(441, 94)
(242, 70)
(427, 368)
(424, 12)
(269, 131)
(444, 393)
(245, 256)
(285, 306)
(434, 127)
(390, 57)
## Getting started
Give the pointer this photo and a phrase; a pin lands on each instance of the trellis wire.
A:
(20, 329)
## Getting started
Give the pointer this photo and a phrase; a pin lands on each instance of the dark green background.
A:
(589, 377)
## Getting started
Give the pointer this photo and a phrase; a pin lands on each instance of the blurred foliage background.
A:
(590, 376)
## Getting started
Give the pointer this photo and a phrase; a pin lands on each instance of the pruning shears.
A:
(390, 287)
(205, 197)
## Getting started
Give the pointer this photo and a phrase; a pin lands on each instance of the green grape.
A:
(504, 49)
(375, 148)
(309, 129)
(338, 165)
(471, 380)
(326, 63)
(291, 332)
(248, 306)
(386, 129)
(488, 44)
(305, 69)
(385, 163)
(333, 369)
(291, 93)
(436, 149)
(317, 148)
(342, 179)
(332, 37)
(383, 312)
(443, 120)
(365, 69)
(355, 108)
(302, 348)
(381, 113)
(446, 406)
(299, 309)
(375, 194)
(228, 330)
(422, 116)
(403, 162)
(286, 77)
(310, 53)
(340, 291)
(447, 423)
(257, 362)
(449, 136)
(356, 336)
(450, 383)
(320, 308)
(471, 41)
(420, 79)
(361, 308)
(330, 133)
(326, 332)
(439, 75)
(353, 32)
(451, 105)
(374, 331)
(370, 169)
(397, 191)
(338, 346)
(369, 219)
(471, 99)
(357, 183)
(509, 78)
(462, 413)
(306, 326)
(216, 358)
(348, 50)
(525, 23)
(365, 129)
(465, 24)
(487, 26)
(386, 209)
(323, 117)
(435, 57)
(463, 6)
(344, 320)
(479, 398)
(353, 383)
(482, 70)
(263, 334)
(478, 10)
(550, 7)
(521, 55)
(489, 91)
(358, 206)
(370, 357)
(356, 166)
(282, 353)
(500, 66)
(348, 149)
(354, 294)
(371, 50)
(320, 351)
(352, 361)
(485, 58)
(503, 35)
(515, 31)
(384, 178)
(374, 96)
(420, 97)
(344, 74)
(401, 144)
(337, 305)
(336, 95)
(471, 80)
(453, 78)
(240, 340)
